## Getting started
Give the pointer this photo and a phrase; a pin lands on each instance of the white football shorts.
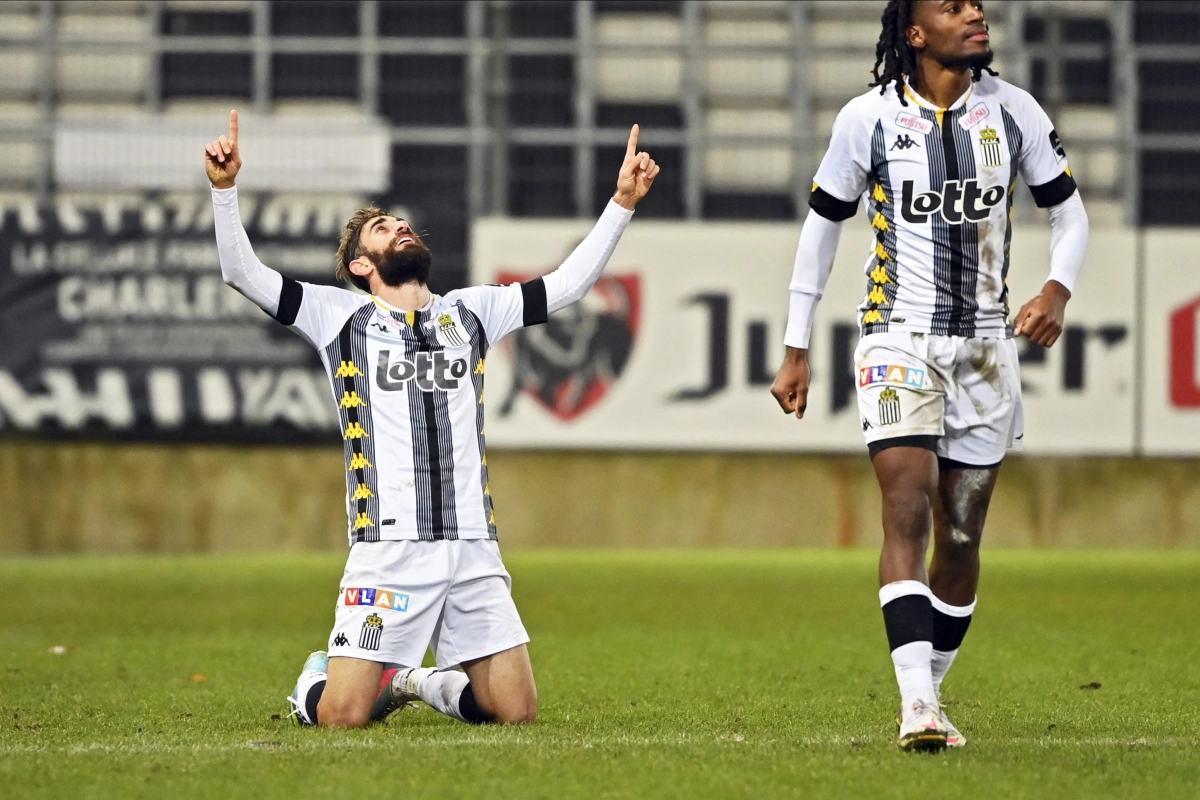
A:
(400, 598)
(966, 392)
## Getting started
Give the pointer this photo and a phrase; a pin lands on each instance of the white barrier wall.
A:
(676, 347)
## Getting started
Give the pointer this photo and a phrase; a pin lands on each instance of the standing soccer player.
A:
(933, 153)
(406, 368)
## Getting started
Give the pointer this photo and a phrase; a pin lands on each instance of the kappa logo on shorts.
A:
(889, 407)
(892, 373)
(379, 598)
(340, 640)
(372, 630)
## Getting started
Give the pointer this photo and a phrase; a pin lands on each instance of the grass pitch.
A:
(715, 674)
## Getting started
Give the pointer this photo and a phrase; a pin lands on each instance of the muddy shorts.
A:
(958, 396)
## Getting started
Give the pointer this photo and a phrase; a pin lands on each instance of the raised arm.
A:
(314, 312)
(240, 268)
(571, 281)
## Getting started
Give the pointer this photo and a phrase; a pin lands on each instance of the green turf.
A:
(715, 674)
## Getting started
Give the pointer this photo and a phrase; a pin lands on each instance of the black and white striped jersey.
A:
(938, 188)
(409, 393)
(409, 385)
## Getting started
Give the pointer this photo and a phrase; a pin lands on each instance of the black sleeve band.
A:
(289, 301)
(533, 294)
(1056, 191)
(830, 207)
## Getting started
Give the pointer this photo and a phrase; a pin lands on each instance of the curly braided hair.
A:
(893, 52)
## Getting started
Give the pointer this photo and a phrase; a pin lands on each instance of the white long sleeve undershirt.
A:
(571, 281)
(240, 268)
(814, 261)
(1068, 240)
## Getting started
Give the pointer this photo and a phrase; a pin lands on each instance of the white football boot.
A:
(954, 737)
(316, 668)
(921, 728)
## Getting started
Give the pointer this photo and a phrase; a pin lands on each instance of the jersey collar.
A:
(408, 316)
(911, 94)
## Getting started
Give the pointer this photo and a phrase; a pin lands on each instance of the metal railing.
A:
(489, 134)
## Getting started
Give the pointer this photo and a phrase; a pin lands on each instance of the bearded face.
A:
(404, 261)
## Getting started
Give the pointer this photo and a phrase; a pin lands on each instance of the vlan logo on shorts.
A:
(379, 598)
(892, 373)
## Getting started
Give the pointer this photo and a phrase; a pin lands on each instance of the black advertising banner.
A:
(115, 323)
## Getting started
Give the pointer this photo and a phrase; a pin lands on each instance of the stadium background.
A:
(143, 408)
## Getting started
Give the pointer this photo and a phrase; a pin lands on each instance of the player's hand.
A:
(221, 158)
(791, 383)
(1041, 319)
(637, 174)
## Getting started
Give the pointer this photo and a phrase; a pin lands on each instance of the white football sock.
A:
(941, 665)
(441, 689)
(953, 624)
(913, 673)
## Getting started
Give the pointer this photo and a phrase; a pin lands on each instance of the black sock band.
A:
(908, 618)
(948, 631)
(469, 707)
(312, 698)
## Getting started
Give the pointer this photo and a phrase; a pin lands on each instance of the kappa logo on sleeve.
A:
(895, 374)
(377, 598)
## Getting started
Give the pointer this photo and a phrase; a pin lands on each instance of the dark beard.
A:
(398, 267)
(969, 62)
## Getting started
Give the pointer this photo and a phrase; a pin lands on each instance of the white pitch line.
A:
(567, 742)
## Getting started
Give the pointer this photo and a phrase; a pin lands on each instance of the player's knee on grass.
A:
(343, 711)
(515, 710)
(513, 707)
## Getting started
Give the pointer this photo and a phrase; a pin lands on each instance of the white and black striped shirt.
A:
(409, 385)
(938, 187)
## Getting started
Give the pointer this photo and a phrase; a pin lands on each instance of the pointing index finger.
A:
(631, 148)
(233, 126)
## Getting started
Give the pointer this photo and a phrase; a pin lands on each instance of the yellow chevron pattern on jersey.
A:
(359, 461)
(362, 521)
(879, 196)
(881, 252)
(880, 275)
(351, 400)
(880, 222)
(877, 296)
(347, 369)
(362, 493)
(354, 431)
(872, 316)
(479, 367)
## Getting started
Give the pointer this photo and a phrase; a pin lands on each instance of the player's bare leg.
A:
(958, 518)
(908, 480)
(504, 686)
(496, 689)
(350, 692)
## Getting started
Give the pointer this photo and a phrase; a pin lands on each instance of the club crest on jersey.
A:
(914, 123)
(978, 113)
(958, 202)
(892, 373)
(989, 144)
(448, 332)
(432, 372)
